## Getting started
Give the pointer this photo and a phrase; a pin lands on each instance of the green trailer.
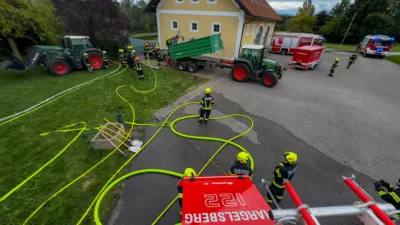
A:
(190, 55)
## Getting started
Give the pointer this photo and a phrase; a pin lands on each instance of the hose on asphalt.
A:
(111, 182)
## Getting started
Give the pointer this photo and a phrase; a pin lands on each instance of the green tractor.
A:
(59, 60)
(251, 65)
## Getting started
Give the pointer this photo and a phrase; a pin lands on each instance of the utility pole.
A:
(348, 29)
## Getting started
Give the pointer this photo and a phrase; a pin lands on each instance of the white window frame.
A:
(172, 25)
(253, 28)
(248, 26)
(194, 2)
(179, 1)
(190, 26)
(212, 28)
(211, 1)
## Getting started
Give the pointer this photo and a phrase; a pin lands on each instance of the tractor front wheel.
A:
(59, 67)
(240, 72)
(95, 60)
(269, 80)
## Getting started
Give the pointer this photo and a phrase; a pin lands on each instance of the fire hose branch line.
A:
(230, 141)
(48, 162)
(50, 100)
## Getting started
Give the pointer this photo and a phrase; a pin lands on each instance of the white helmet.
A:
(85, 54)
(104, 52)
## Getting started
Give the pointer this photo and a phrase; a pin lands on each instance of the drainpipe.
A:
(241, 37)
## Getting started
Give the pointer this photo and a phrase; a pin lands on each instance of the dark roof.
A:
(256, 8)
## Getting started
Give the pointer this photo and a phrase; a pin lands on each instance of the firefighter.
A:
(131, 52)
(169, 41)
(121, 56)
(139, 68)
(206, 103)
(352, 60)
(106, 60)
(146, 50)
(240, 166)
(284, 171)
(157, 53)
(392, 196)
(334, 66)
(189, 172)
(87, 62)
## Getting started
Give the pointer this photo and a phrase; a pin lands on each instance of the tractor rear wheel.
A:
(96, 60)
(59, 67)
(240, 72)
(269, 80)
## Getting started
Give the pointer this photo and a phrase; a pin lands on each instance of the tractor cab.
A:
(74, 45)
(252, 65)
(223, 200)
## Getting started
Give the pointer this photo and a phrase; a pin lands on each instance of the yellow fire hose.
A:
(113, 182)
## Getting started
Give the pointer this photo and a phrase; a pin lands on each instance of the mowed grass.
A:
(146, 36)
(352, 48)
(394, 59)
(23, 150)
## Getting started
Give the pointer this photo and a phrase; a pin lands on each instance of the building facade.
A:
(240, 22)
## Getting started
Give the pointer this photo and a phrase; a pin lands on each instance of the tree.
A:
(137, 20)
(101, 20)
(340, 8)
(304, 20)
(19, 18)
(322, 18)
(285, 24)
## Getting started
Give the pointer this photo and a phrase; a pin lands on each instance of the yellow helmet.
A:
(189, 172)
(130, 47)
(169, 37)
(120, 50)
(291, 157)
(337, 59)
(242, 157)
(208, 90)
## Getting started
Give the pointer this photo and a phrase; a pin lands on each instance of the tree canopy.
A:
(370, 17)
(19, 18)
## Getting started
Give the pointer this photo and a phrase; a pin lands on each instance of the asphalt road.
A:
(348, 124)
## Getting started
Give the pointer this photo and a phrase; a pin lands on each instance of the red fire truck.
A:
(375, 45)
(285, 43)
(234, 200)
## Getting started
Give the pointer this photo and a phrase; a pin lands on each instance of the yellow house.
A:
(240, 22)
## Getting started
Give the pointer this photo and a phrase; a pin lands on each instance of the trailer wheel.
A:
(240, 72)
(95, 60)
(181, 66)
(192, 68)
(269, 80)
(284, 51)
(59, 67)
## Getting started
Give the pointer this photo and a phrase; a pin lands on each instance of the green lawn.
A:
(352, 48)
(23, 150)
(394, 59)
(146, 36)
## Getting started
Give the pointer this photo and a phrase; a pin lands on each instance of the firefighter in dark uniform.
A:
(139, 68)
(106, 60)
(334, 66)
(392, 196)
(87, 62)
(147, 50)
(189, 172)
(121, 56)
(169, 41)
(352, 60)
(240, 166)
(157, 53)
(206, 103)
(284, 171)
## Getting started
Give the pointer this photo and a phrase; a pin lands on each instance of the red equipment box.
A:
(307, 57)
(223, 200)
